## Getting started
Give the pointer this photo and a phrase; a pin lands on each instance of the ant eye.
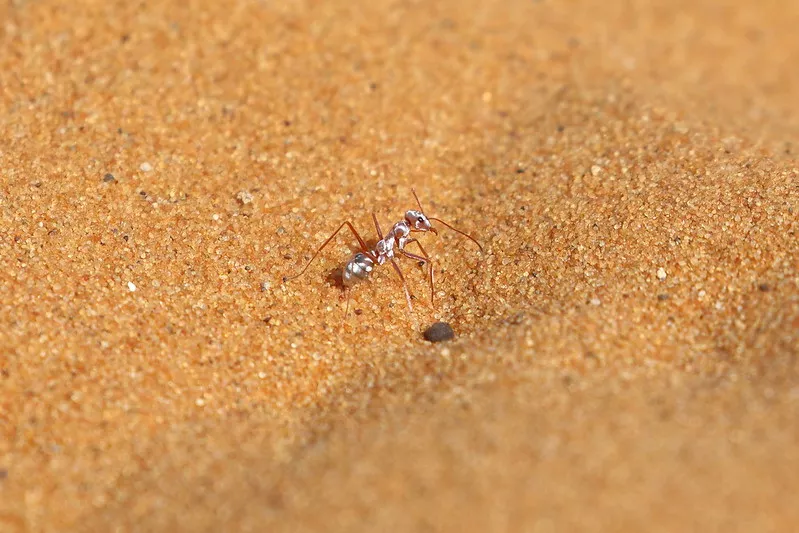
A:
(420, 219)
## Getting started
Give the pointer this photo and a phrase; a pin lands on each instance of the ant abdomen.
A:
(357, 269)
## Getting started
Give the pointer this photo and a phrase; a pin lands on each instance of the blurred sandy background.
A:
(625, 351)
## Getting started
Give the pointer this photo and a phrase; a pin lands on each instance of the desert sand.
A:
(625, 351)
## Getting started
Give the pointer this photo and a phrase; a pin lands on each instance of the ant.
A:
(362, 263)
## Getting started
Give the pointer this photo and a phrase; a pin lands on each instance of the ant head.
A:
(418, 221)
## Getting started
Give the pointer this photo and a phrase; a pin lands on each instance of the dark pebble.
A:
(359, 311)
(439, 332)
(663, 297)
(764, 287)
(108, 177)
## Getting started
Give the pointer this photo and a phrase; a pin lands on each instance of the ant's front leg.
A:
(425, 259)
(404, 284)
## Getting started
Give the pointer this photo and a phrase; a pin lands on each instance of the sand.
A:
(625, 356)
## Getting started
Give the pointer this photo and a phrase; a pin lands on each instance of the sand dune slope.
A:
(626, 343)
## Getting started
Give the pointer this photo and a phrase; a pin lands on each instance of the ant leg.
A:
(347, 223)
(424, 259)
(346, 310)
(377, 227)
(404, 285)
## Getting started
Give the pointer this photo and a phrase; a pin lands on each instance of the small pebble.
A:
(108, 178)
(131, 286)
(663, 297)
(244, 197)
(661, 273)
(439, 332)
(764, 287)
(145, 167)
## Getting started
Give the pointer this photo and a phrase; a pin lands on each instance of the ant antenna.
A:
(417, 200)
(444, 223)
(458, 231)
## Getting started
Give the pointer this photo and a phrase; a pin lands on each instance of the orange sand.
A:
(626, 349)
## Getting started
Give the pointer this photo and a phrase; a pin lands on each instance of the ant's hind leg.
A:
(346, 310)
(347, 223)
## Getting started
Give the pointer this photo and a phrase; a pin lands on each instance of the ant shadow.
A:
(335, 278)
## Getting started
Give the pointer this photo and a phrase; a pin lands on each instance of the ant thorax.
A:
(401, 233)
(384, 249)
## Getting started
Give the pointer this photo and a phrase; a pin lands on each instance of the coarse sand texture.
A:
(621, 356)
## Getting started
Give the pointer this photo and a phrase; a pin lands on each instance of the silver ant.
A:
(362, 263)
